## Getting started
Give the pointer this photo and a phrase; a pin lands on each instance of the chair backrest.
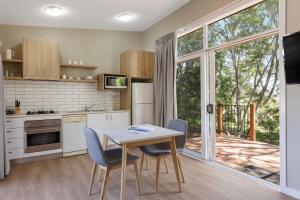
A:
(179, 125)
(94, 146)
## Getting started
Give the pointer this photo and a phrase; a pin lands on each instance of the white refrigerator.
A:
(142, 103)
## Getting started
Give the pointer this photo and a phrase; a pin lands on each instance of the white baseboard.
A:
(74, 153)
(292, 192)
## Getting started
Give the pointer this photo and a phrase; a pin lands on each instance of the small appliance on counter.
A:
(18, 106)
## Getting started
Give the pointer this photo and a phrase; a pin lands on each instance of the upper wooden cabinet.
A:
(137, 64)
(41, 60)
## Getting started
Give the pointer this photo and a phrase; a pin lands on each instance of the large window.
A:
(190, 43)
(256, 19)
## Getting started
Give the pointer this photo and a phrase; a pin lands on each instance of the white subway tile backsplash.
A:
(59, 96)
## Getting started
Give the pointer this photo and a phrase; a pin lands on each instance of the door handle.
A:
(210, 108)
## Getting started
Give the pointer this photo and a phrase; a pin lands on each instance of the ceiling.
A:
(88, 14)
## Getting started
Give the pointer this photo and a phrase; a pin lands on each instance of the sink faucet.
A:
(88, 108)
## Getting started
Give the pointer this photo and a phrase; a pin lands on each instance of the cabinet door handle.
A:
(8, 121)
(9, 142)
(9, 131)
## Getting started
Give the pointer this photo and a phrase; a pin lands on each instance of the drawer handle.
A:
(10, 152)
(9, 142)
(9, 131)
(8, 121)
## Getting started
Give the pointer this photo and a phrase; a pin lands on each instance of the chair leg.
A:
(92, 177)
(157, 172)
(105, 181)
(180, 167)
(166, 165)
(101, 174)
(141, 165)
(137, 180)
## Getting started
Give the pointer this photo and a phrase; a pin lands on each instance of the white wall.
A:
(185, 15)
(293, 110)
(96, 47)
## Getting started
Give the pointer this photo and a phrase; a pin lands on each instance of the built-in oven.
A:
(42, 135)
(115, 82)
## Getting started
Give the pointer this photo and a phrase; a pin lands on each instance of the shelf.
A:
(13, 78)
(89, 67)
(79, 81)
(16, 61)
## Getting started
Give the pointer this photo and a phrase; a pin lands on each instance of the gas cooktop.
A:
(41, 112)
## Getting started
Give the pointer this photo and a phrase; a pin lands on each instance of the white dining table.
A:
(127, 139)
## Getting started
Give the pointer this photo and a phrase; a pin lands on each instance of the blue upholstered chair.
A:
(160, 151)
(106, 159)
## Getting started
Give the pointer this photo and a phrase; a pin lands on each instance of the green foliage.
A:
(190, 43)
(245, 74)
(256, 19)
(188, 92)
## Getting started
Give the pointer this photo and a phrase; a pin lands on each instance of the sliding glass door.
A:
(228, 88)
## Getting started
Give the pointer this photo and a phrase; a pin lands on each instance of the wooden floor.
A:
(68, 178)
(238, 153)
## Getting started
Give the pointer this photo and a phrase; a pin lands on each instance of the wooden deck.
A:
(243, 154)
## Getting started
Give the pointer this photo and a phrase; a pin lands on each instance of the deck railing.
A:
(237, 120)
(192, 114)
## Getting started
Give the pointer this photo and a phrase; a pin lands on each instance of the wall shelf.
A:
(13, 78)
(88, 67)
(15, 61)
(79, 81)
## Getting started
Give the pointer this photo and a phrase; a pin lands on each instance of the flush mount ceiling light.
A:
(126, 17)
(53, 11)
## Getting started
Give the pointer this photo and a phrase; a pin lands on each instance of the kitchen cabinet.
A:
(14, 139)
(137, 64)
(41, 60)
(73, 136)
(98, 121)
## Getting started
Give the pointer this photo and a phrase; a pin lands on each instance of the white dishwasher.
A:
(73, 137)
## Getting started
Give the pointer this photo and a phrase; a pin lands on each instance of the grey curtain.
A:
(2, 118)
(164, 79)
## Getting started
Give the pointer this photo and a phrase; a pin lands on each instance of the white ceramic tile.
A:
(60, 96)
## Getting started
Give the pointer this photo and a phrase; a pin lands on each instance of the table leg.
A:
(123, 174)
(175, 161)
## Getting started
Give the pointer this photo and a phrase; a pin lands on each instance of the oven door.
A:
(42, 139)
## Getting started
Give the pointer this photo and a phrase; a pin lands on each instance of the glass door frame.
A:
(212, 79)
(203, 154)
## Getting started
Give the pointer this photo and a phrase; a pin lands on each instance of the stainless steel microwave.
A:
(115, 82)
